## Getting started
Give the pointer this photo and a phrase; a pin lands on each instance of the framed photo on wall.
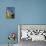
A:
(10, 12)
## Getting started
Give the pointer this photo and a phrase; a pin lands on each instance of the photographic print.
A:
(33, 32)
(30, 34)
(10, 12)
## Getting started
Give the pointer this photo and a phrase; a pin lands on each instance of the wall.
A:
(31, 11)
(6, 25)
(27, 12)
